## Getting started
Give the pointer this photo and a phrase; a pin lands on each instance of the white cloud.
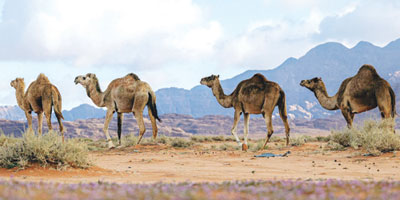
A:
(101, 32)
(175, 42)
(373, 21)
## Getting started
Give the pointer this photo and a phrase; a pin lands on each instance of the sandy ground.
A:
(155, 163)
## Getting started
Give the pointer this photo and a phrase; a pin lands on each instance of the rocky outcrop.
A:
(183, 126)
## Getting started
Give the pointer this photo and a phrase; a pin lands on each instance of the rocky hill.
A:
(184, 126)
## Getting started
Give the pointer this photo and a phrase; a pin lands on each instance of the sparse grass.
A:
(47, 149)
(374, 137)
(200, 138)
(181, 143)
(257, 145)
(228, 147)
(301, 140)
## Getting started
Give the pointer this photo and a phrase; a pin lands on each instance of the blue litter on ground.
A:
(269, 155)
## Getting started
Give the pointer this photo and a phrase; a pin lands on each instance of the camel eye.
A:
(84, 78)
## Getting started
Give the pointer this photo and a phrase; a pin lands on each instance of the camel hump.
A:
(259, 78)
(367, 71)
(134, 76)
(42, 79)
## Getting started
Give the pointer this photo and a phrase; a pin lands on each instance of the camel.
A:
(40, 97)
(123, 95)
(362, 92)
(256, 95)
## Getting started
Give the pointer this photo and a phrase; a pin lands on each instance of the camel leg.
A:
(348, 116)
(268, 122)
(109, 116)
(139, 119)
(61, 126)
(153, 124)
(385, 104)
(29, 119)
(120, 118)
(246, 130)
(236, 119)
(287, 129)
(47, 104)
(138, 106)
(40, 122)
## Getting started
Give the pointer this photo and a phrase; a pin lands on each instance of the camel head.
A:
(209, 81)
(18, 82)
(86, 80)
(312, 84)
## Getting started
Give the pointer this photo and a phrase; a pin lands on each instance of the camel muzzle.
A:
(302, 83)
(76, 80)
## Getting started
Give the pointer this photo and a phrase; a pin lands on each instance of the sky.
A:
(174, 43)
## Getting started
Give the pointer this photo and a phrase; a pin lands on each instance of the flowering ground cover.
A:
(282, 189)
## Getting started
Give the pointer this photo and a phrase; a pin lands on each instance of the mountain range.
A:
(331, 61)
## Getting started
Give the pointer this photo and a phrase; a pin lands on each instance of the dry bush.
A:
(301, 140)
(201, 138)
(374, 137)
(181, 143)
(229, 147)
(47, 149)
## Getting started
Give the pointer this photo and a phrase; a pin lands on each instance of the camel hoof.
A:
(119, 147)
(244, 147)
(111, 146)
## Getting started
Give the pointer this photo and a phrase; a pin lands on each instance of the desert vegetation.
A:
(45, 150)
(374, 137)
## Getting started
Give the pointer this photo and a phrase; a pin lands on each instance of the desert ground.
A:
(152, 163)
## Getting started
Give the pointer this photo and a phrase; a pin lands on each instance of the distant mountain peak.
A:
(393, 45)
(364, 45)
(289, 61)
(327, 48)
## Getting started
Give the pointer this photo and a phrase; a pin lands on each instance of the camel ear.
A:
(218, 76)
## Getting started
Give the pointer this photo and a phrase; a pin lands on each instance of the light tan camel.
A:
(362, 92)
(123, 95)
(40, 97)
(256, 95)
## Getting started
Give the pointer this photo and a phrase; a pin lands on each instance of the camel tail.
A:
(152, 105)
(393, 99)
(57, 102)
(282, 104)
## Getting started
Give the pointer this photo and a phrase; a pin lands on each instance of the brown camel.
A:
(362, 92)
(40, 97)
(256, 95)
(123, 95)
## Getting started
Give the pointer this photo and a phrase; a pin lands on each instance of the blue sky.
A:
(174, 42)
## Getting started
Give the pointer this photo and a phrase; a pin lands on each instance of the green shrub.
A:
(44, 150)
(129, 140)
(218, 138)
(181, 143)
(257, 145)
(229, 147)
(374, 137)
(200, 138)
(323, 138)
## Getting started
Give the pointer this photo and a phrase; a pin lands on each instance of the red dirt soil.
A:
(154, 163)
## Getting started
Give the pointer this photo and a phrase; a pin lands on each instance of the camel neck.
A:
(327, 102)
(224, 100)
(94, 92)
(20, 94)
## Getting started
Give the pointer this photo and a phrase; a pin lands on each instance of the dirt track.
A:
(154, 163)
